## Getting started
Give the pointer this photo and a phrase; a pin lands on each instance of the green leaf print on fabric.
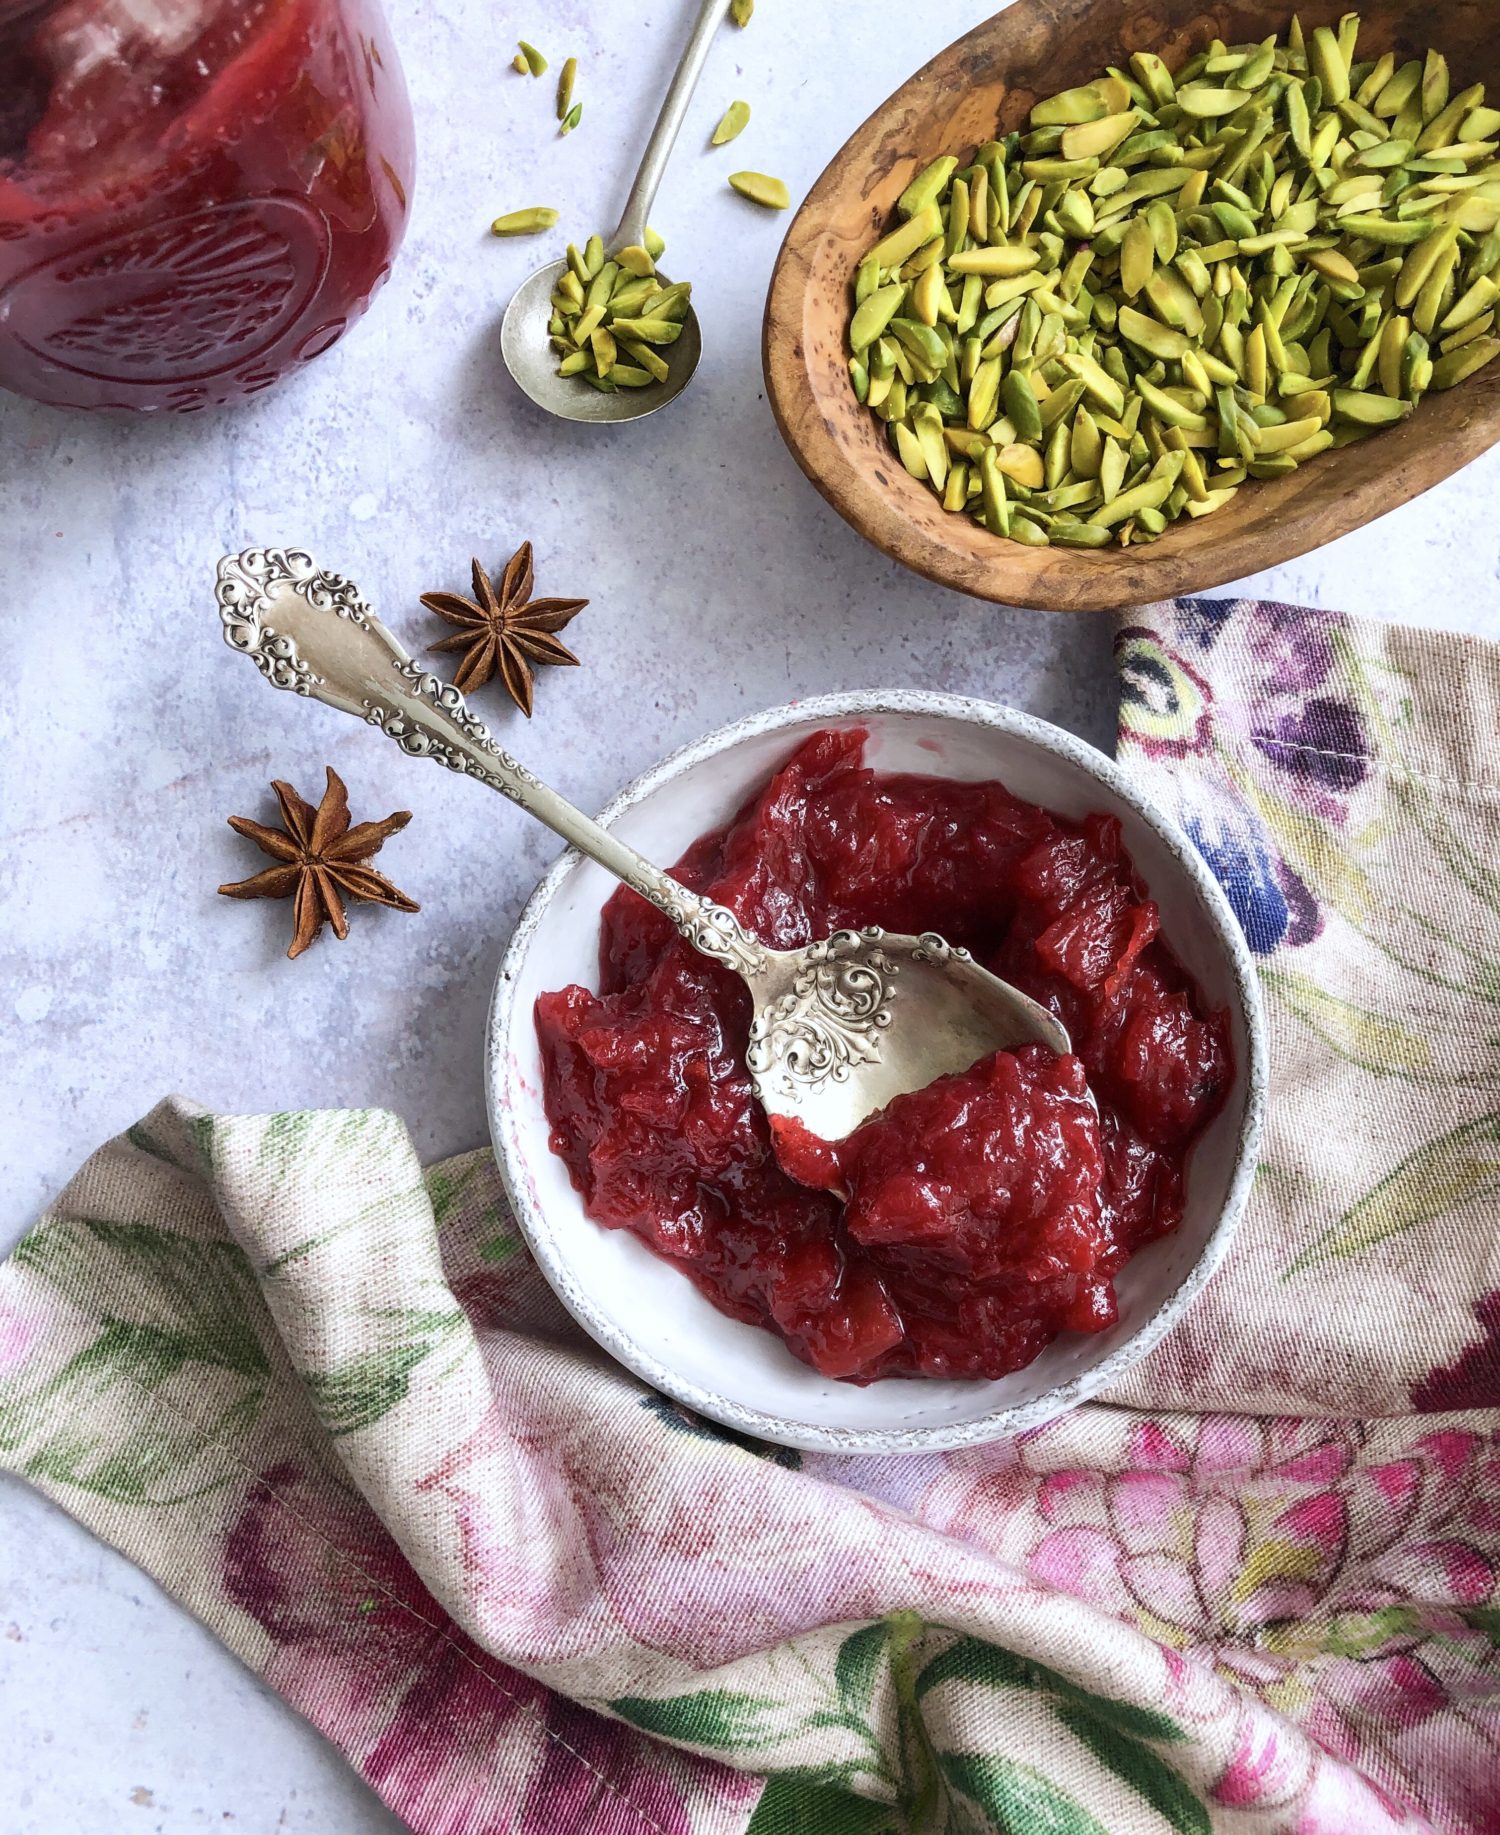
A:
(1485, 1620)
(291, 1142)
(144, 1141)
(201, 1296)
(1149, 1775)
(1018, 1800)
(193, 1305)
(357, 1393)
(1456, 1168)
(921, 1783)
(286, 1138)
(789, 1807)
(154, 1462)
(446, 1186)
(1313, 848)
(1370, 1040)
(356, 1222)
(972, 1660)
(500, 1243)
(718, 1717)
(856, 1667)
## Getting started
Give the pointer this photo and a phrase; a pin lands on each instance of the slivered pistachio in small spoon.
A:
(840, 1028)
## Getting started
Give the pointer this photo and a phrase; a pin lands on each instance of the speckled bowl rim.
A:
(997, 1423)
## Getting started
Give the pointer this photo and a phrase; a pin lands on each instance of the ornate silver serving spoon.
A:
(840, 1027)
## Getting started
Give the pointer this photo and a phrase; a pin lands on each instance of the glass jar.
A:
(196, 196)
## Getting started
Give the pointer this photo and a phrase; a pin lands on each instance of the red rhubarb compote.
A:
(959, 1231)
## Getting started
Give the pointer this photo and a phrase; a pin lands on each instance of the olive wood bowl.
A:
(987, 83)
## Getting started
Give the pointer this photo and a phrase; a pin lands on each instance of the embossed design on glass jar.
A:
(185, 299)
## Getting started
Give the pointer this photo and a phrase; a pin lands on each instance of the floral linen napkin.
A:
(327, 1401)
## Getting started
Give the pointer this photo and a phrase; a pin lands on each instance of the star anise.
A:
(505, 627)
(321, 859)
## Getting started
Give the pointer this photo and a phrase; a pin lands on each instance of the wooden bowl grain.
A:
(994, 76)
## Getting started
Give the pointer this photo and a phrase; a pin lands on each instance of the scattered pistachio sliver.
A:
(612, 315)
(519, 64)
(535, 62)
(1176, 281)
(571, 119)
(769, 192)
(524, 222)
(732, 124)
(740, 11)
(565, 83)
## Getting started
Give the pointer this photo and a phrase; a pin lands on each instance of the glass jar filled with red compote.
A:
(196, 196)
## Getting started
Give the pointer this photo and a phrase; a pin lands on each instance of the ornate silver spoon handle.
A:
(311, 632)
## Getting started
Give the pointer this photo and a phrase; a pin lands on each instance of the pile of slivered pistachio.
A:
(610, 319)
(1174, 283)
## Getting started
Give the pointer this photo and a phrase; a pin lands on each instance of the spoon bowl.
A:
(532, 362)
(847, 1024)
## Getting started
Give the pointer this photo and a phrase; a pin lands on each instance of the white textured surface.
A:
(720, 583)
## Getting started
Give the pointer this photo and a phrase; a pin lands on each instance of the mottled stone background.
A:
(720, 583)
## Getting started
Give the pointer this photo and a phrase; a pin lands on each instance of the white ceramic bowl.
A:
(650, 1317)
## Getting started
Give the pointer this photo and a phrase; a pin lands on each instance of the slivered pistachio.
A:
(1087, 103)
(1388, 232)
(571, 119)
(1097, 139)
(923, 226)
(566, 78)
(1004, 263)
(1170, 282)
(872, 317)
(650, 330)
(1137, 257)
(1022, 407)
(741, 11)
(733, 122)
(535, 62)
(927, 186)
(1203, 102)
(1457, 366)
(1369, 410)
(524, 222)
(1148, 335)
(770, 193)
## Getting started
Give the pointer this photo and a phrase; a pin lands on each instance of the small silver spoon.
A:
(523, 333)
(840, 1027)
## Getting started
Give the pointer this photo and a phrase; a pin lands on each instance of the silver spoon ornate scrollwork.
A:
(839, 1028)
